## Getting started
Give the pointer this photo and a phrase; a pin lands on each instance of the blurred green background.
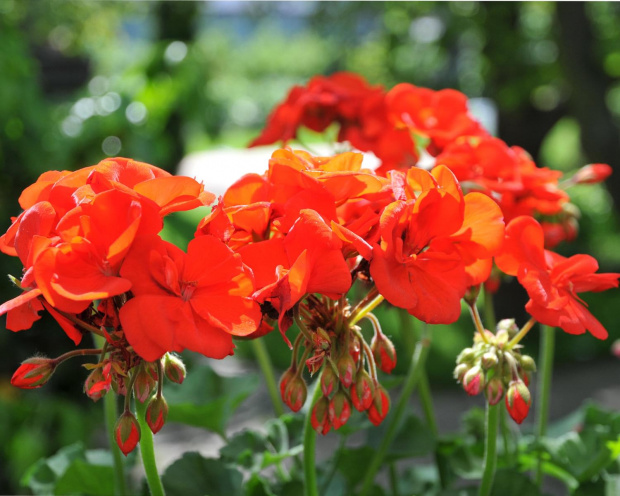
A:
(156, 81)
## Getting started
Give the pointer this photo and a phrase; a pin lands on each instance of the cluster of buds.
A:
(335, 348)
(122, 371)
(496, 367)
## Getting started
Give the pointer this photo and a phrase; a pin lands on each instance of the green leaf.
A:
(257, 486)
(42, 476)
(194, 475)
(413, 439)
(509, 482)
(207, 400)
(353, 463)
(84, 478)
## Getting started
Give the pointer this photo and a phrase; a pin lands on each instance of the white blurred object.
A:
(218, 169)
(485, 112)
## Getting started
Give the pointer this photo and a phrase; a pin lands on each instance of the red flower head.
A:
(429, 236)
(552, 281)
(197, 300)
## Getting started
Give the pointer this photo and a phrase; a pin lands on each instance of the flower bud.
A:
(494, 391)
(285, 379)
(98, 382)
(329, 380)
(489, 360)
(127, 432)
(380, 405)
(295, 393)
(592, 173)
(156, 413)
(319, 418)
(518, 400)
(346, 370)
(174, 368)
(143, 384)
(33, 373)
(466, 356)
(384, 352)
(473, 381)
(527, 363)
(339, 409)
(362, 391)
(354, 350)
(460, 371)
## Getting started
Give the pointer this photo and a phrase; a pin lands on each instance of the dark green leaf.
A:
(194, 475)
(84, 478)
(353, 463)
(512, 483)
(413, 439)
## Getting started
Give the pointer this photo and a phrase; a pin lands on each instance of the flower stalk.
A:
(547, 348)
(147, 452)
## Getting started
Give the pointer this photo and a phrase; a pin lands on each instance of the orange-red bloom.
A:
(197, 300)
(552, 281)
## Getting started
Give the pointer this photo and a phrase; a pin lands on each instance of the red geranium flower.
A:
(552, 281)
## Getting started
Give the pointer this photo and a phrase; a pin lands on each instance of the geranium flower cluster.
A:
(288, 245)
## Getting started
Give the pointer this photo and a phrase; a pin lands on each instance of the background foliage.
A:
(158, 80)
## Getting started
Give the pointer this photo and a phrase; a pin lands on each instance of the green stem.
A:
(110, 411)
(311, 488)
(490, 449)
(416, 367)
(147, 452)
(394, 479)
(547, 346)
(266, 367)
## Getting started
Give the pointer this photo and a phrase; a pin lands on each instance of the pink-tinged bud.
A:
(592, 173)
(174, 368)
(127, 432)
(518, 401)
(460, 371)
(339, 409)
(489, 360)
(354, 350)
(494, 391)
(285, 379)
(156, 413)
(98, 382)
(144, 384)
(362, 391)
(33, 373)
(295, 393)
(615, 348)
(346, 370)
(384, 352)
(380, 405)
(320, 416)
(329, 380)
(473, 381)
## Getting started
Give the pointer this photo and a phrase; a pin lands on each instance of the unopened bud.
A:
(466, 356)
(33, 373)
(384, 352)
(460, 371)
(346, 370)
(156, 413)
(127, 432)
(380, 405)
(143, 384)
(98, 382)
(329, 380)
(494, 391)
(489, 360)
(295, 393)
(339, 409)
(527, 363)
(473, 381)
(319, 418)
(508, 325)
(591, 174)
(285, 379)
(174, 368)
(362, 391)
(518, 400)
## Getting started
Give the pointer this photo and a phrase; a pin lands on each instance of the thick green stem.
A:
(147, 452)
(266, 367)
(413, 376)
(490, 449)
(311, 487)
(547, 346)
